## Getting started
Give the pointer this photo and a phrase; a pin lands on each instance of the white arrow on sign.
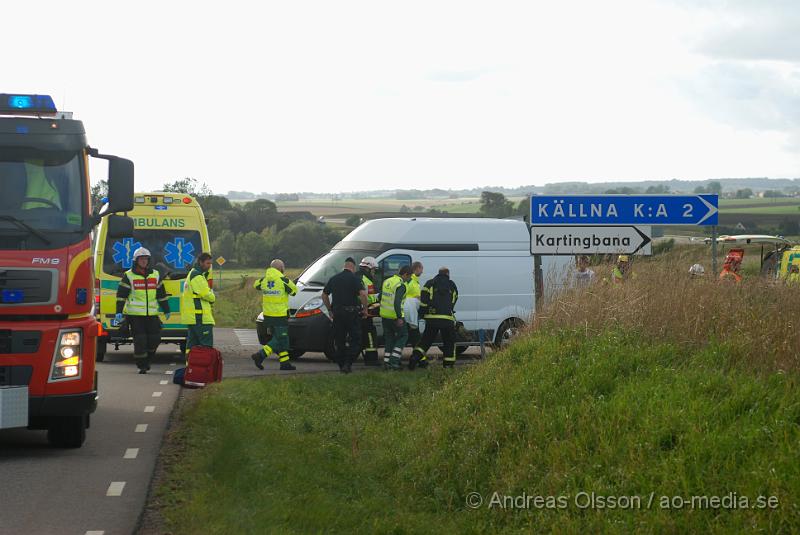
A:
(569, 240)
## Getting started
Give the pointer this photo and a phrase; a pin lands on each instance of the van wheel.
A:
(102, 347)
(67, 432)
(508, 330)
(330, 348)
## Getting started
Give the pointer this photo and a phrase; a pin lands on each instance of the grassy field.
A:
(365, 206)
(759, 202)
(639, 397)
(789, 209)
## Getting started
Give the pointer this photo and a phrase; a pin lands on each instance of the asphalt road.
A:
(102, 487)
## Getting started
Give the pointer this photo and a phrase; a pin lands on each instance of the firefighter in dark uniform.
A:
(369, 334)
(347, 310)
(439, 296)
(139, 296)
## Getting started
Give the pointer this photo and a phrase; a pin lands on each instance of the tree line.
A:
(250, 234)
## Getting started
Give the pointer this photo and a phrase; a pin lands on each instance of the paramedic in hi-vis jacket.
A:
(196, 301)
(275, 289)
(139, 296)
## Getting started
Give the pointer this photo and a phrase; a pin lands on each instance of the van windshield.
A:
(318, 273)
(173, 252)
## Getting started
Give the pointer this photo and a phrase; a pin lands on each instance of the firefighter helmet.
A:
(369, 262)
(141, 251)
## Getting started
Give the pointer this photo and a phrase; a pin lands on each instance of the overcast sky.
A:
(343, 96)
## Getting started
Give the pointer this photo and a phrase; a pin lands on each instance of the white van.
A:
(489, 260)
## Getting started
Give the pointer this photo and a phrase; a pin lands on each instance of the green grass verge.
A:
(555, 415)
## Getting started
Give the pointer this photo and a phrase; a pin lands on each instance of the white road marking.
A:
(141, 428)
(115, 488)
(164, 382)
(172, 364)
(150, 408)
(168, 372)
(247, 337)
(157, 394)
(95, 532)
(131, 453)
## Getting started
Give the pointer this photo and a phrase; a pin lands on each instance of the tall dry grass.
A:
(757, 319)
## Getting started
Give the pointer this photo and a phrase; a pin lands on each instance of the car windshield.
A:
(43, 190)
(318, 273)
(172, 252)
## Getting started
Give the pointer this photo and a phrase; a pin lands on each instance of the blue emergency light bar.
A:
(27, 103)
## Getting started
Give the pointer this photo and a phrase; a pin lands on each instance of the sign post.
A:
(220, 263)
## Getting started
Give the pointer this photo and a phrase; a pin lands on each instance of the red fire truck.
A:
(47, 322)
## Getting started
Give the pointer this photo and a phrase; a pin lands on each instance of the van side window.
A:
(391, 266)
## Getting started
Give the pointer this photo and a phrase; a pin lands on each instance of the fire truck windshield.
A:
(41, 190)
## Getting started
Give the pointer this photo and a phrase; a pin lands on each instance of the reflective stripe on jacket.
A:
(275, 289)
(392, 288)
(372, 294)
(196, 299)
(143, 299)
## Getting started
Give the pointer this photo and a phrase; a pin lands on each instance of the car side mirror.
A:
(120, 226)
(120, 185)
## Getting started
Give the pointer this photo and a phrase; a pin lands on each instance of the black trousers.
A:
(346, 336)
(369, 342)
(413, 337)
(146, 333)
(432, 328)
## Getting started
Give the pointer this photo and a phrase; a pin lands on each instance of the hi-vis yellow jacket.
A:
(276, 289)
(196, 299)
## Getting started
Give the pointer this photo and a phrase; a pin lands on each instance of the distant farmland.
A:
(344, 207)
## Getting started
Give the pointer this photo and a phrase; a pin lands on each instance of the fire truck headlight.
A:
(71, 338)
(67, 357)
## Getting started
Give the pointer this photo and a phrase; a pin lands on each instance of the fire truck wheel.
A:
(67, 432)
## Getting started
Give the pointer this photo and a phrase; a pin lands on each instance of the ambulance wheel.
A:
(296, 353)
(102, 347)
(67, 432)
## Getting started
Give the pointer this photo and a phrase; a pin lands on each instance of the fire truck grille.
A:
(15, 375)
(26, 286)
(19, 342)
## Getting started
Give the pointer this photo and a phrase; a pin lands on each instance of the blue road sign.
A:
(624, 210)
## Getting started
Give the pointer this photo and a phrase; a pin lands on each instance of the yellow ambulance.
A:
(172, 227)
